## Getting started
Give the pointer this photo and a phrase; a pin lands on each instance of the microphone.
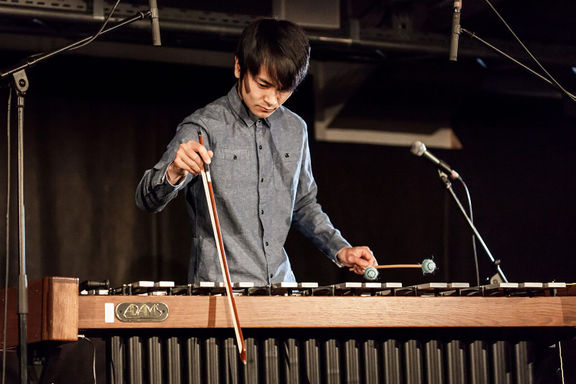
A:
(155, 24)
(455, 30)
(419, 149)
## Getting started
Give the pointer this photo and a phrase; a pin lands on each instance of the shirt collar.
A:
(243, 112)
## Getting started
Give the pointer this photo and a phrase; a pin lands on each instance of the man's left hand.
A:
(358, 258)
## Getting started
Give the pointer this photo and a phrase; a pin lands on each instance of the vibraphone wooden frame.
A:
(58, 313)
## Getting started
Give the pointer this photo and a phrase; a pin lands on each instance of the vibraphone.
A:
(300, 332)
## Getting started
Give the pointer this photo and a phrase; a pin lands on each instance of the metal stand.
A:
(551, 81)
(34, 59)
(20, 83)
(499, 275)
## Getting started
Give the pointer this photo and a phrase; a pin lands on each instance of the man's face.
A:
(259, 93)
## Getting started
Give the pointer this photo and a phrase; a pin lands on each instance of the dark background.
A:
(94, 124)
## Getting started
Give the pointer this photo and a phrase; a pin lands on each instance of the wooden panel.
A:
(52, 310)
(60, 309)
(315, 312)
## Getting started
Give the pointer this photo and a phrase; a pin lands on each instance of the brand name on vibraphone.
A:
(138, 312)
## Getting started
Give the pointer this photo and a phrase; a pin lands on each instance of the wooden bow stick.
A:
(207, 181)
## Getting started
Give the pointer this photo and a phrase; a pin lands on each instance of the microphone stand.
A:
(20, 84)
(550, 81)
(31, 61)
(499, 276)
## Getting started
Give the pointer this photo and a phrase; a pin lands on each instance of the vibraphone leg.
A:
(154, 359)
(478, 353)
(524, 367)
(352, 359)
(212, 364)
(174, 361)
(194, 357)
(312, 359)
(135, 360)
(434, 363)
(413, 357)
(271, 374)
(332, 361)
(371, 366)
(391, 357)
(251, 367)
(456, 372)
(291, 361)
(231, 359)
(500, 362)
(116, 352)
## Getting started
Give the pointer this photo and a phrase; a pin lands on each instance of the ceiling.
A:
(349, 29)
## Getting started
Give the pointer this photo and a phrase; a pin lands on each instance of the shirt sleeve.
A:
(309, 218)
(154, 191)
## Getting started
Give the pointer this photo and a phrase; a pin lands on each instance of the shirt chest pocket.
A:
(230, 168)
(286, 170)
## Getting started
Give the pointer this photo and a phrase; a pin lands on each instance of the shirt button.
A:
(262, 180)
(271, 275)
(266, 243)
(262, 212)
(260, 147)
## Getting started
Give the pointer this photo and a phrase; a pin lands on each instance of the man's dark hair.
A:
(280, 45)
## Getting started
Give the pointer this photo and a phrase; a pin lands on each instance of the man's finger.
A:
(204, 154)
(188, 164)
(197, 148)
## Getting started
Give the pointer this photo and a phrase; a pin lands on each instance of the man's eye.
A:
(262, 85)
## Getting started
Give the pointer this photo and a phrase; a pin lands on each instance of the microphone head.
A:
(418, 148)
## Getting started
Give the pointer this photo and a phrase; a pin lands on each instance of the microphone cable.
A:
(549, 76)
(92, 38)
(7, 272)
(475, 253)
(95, 36)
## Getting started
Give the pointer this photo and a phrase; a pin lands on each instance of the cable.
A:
(82, 337)
(473, 236)
(570, 95)
(84, 43)
(101, 28)
(8, 150)
(561, 361)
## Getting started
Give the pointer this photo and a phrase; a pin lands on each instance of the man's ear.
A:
(236, 68)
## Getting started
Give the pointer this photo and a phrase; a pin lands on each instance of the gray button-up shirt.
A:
(263, 184)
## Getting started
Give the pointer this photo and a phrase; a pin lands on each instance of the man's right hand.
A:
(190, 158)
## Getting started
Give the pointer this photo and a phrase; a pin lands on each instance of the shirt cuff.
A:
(336, 260)
(176, 186)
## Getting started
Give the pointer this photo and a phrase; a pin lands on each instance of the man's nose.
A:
(271, 99)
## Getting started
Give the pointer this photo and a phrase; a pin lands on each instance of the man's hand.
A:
(358, 258)
(190, 158)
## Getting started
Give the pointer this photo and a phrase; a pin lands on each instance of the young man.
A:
(260, 166)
